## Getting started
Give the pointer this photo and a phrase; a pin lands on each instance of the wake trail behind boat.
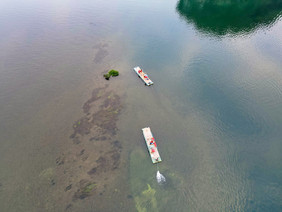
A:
(160, 178)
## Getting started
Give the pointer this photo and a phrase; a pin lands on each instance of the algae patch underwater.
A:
(146, 200)
(47, 174)
(147, 193)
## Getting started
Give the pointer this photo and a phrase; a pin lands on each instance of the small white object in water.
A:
(160, 178)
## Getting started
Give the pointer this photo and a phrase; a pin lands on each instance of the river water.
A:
(215, 108)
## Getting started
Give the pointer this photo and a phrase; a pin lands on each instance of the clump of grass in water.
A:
(112, 73)
(107, 76)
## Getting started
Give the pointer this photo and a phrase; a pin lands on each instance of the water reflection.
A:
(227, 17)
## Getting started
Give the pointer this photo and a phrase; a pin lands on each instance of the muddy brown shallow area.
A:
(93, 172)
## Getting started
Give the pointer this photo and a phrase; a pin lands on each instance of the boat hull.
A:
(143, 76)
(151, 145)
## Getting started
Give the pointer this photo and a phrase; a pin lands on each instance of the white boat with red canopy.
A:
(151, 145)
(143, 76)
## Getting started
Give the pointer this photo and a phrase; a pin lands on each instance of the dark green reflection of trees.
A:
(221, 17)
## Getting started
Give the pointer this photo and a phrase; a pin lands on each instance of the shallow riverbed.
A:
(72, 141)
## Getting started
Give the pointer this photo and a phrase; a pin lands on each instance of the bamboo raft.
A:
(151, 145)
(143, 76)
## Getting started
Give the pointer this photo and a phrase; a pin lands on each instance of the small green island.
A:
(112, 73)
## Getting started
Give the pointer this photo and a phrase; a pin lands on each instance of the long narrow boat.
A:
(151, 145)
(143, 76)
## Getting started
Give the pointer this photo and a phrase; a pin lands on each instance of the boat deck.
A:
(151, 145)
(143, 76)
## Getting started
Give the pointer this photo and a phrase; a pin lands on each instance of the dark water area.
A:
(229, 17)
(72, 141)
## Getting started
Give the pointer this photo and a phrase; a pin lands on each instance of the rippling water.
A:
(215, 108)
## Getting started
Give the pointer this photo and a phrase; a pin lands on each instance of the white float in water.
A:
(160, 178)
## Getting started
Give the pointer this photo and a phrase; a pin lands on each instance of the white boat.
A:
(151, 145)
(143, 76)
